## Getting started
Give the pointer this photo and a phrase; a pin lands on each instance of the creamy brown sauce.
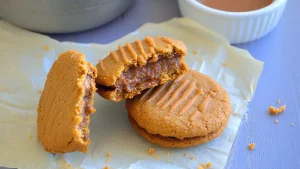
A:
(148, 76)
(236, 5)
(85, 108)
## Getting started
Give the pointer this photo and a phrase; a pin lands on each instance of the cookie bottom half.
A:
(173, 142)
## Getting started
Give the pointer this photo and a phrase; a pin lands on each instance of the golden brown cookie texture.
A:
(184, 112)
(66, 103)
(140, 65)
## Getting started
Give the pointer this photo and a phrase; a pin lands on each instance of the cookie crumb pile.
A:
(108, 155)
(44, 47)
(151, 151)
(275, 111)
(208, 165)
(200, 167)
(251, 146)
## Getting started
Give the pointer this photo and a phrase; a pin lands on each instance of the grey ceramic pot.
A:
(61, 16)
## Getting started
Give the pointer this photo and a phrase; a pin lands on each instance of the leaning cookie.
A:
(140, 65)
(188, 111)
(65, 104)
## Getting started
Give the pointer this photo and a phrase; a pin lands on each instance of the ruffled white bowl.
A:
(237, 27)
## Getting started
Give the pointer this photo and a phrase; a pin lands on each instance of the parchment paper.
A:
(26, 57)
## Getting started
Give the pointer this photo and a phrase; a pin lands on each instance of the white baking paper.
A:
(26, 57)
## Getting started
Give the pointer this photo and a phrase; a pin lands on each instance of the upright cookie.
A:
(140, 65)
(65, 104)
(188, 111)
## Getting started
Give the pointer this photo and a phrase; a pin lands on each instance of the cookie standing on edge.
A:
(140, 65)
(188, 111)
(65, 104)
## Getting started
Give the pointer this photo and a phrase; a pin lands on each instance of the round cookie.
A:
(191, 109)
(65, 104)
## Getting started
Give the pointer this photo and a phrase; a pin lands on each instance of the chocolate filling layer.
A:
(148, 76)
(83, 125)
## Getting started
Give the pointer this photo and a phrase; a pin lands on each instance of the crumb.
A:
(107, 160)
(105, 167)
(186, 154)
(169, 161)
(203, 165)
(38, 55)
(276, 111)
(40, 91)
(292, 124)
(195, 52)
(192, 158)
(224, 64)
(200, 167)
(278, 100)
(151, 151)
(276, 121)
(108, 154)
(251, 146)
(168, 154)
(157, 157)
(236, 113)
(200, 59)
(30, 136)
(69, 165)
(208, 165)
(45, 47)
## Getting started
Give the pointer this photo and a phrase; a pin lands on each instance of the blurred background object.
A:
(61, 16)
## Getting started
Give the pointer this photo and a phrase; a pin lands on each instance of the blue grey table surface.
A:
(277, 145)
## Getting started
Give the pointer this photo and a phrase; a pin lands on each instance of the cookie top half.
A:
(65, 104)
(136, 54)
(192, 105)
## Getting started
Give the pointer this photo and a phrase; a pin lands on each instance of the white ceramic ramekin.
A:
(237, 27)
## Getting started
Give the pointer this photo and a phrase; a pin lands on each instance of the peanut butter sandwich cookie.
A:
(188, 111)
(140, 65)
(66, 103)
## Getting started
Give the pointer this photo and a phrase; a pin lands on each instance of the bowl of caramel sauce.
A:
(239, 21)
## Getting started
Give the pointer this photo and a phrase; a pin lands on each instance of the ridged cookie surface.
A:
(138, 53)
(140, 65)
(191, 106)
